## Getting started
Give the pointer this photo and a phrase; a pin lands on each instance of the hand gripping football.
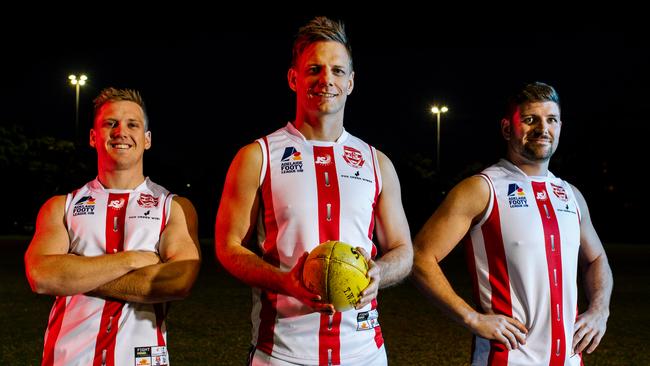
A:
(337, 272)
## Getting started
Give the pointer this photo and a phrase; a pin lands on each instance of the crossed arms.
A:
(136, 276)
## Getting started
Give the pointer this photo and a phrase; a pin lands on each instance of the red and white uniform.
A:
(523, 258)
(89, 330)
(314, 191)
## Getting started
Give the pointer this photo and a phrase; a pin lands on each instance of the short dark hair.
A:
(111, 94)
(531, 92)
(316, 30)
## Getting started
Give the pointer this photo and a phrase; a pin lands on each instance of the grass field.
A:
(212, 326)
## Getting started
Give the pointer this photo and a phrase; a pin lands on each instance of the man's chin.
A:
(540, 155)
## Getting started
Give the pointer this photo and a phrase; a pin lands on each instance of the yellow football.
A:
(337, 272)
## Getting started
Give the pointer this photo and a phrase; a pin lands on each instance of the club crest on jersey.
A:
(291, 161)
(353, 157)
(323, 159)
(560, 192)
(116, 204)
(516, 196)
(85, 206)
(147, 200)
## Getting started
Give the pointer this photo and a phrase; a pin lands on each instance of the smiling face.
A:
(119, 136)
(533, 132)
(322, 79)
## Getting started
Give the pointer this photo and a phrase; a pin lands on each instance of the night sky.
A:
(213, 84)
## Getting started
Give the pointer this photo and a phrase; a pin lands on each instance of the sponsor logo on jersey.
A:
(367, 320)
(151, 356)
(291, 154)
(85, 206)
(147, 200)
(323, 160)
(116, 204)
(146, 216)
(353, 157)
(540, 196)
(560, 192)
(567, 209)
(357, 176)
(516, 196)
(291, 161)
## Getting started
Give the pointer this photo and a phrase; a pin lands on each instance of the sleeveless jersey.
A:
(523, 259)
(90, 330)
(314, 191)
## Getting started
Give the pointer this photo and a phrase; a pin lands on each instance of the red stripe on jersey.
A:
(54, 327)
(471, 267)
(374, 201)
(268, 312)
(329, 210)
(329, 343)
(108, 326)
(379, 339)
(164, 216)
(554, 264)
(582, 361)
(160, 318)
(499, 279)
(327, 183)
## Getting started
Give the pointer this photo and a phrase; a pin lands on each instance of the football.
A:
(337, 272)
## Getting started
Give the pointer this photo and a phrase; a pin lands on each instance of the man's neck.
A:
(531, 168)
(327, 128)
(120, 179)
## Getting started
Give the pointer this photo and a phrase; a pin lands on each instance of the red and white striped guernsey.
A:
(523, 259)
(88, 330)
(314, 191)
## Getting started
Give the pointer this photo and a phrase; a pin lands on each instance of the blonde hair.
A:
(320, 29)
(111, 94)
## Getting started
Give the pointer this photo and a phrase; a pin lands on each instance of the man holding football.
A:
(307, 183)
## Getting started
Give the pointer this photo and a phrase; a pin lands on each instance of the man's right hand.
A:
(139, 258)
(511, 332)
(293, 286)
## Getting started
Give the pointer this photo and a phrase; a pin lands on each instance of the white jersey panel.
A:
(538, 221)
(293, 171)
(146, 211)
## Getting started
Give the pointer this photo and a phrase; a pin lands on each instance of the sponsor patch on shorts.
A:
(367, 320)
(151, 356)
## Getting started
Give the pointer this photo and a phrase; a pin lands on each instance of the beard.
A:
(534, 152)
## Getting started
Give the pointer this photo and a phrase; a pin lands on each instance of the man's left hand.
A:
(589, 330)
(374, 274)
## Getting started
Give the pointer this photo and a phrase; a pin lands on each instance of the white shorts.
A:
(260, 358)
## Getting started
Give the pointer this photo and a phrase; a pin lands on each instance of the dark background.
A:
(214, 82)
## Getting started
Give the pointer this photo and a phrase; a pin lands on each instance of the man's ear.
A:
(506, 129)
(147, 140)
(291, 77)
(351, 83)
(91, 139)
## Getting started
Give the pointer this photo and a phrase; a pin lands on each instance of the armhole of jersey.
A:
(375, 162)
(68, 201)
(262, 142)
(573, 194)
(488, 211)
(167, 209)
